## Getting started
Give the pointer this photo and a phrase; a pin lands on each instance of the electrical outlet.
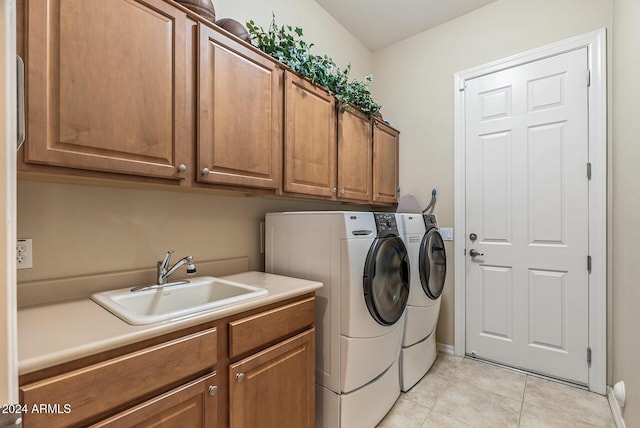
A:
(24, 254)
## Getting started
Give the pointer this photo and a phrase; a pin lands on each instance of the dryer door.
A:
(386, 279)
(433, 264)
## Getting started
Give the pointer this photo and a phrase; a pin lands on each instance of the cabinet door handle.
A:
(213, 389)
(240, 377)
(333, 190)
(342, 190)
(205, 171)
(20, 95)
(182, 167)
(377, 195)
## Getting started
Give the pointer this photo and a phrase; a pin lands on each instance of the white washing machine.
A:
(364, 267)
(427, 260)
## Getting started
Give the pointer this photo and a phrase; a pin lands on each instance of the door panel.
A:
(547, 323)
(240, 114)
(107, 86)
(310, 138)
(354, 156)
(497, 299)
(496, 166)
(527, 200)
(386, 142)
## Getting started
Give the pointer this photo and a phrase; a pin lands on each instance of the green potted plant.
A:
(285, 43)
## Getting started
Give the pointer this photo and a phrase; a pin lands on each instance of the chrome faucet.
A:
(163, 273)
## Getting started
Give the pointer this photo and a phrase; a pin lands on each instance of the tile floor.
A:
(464, 393)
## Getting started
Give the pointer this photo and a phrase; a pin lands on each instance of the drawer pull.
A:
(240, 377)
(182, 167)
(213, 389)
(205, 171)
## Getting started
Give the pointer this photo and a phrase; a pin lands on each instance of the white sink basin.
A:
(198, 295)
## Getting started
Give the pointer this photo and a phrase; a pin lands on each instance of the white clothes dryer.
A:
(427, 259)
(363, 265)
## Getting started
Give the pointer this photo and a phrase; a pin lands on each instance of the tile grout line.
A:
(442, 392)
(524, 392)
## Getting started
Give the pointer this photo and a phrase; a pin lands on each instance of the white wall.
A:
(414, 83)
(318, 26)
(626, 203)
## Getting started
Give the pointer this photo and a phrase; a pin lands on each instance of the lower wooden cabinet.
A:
(275, 387)
(253, 369)
(191, 405)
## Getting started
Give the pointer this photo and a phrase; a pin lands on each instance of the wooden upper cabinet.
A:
(240, 114)
(106, 86)
(385, 163)
(354, 156)
(310, 138)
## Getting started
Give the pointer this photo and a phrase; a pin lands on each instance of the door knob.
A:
(474, 253)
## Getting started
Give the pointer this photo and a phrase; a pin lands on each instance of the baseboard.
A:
(444, 348)
(615, 409)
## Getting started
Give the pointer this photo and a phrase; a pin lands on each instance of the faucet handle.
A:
(167, 257)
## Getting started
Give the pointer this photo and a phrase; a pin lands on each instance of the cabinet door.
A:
(385, 163)
(354, 156)
(106, 86)
(240, 114)
(310, 138)
(191, 405)
(275, 387)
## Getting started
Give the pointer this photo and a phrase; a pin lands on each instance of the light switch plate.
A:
(447, 233)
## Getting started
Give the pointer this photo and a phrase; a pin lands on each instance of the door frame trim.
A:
(595, 42)
(8, 128)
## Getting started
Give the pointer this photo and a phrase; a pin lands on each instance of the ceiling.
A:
(379, 23)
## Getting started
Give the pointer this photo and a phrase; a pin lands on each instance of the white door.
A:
(527, 204)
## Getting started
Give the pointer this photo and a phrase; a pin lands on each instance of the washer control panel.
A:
(386, 224)
(430, 221)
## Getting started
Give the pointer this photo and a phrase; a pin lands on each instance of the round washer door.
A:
(433, 264)
(386, 280)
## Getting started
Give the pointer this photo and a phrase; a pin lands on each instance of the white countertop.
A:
(53, 334)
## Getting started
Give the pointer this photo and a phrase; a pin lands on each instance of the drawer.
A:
(252, 332)
(101, 387)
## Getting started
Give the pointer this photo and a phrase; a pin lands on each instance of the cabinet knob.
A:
(377, 195)
(213, 389)
(182, 167)
(205, 171)
(240, 377)
(333, 190)
(342, 190)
